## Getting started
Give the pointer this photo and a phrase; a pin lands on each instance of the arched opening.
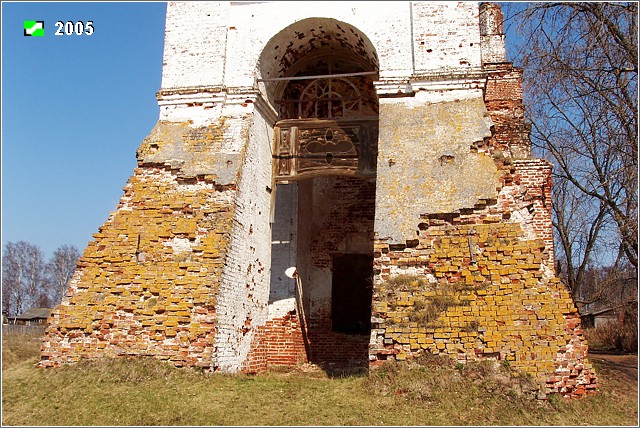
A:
(328, 85)
(318, 76)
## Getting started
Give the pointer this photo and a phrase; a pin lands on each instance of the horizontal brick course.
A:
(479, 291)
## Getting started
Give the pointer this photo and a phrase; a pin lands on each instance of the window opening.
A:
(331, 88)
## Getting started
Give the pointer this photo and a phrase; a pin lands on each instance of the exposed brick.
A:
(190, 266)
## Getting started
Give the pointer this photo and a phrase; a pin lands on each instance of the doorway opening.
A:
(321, 88)
(351, 293)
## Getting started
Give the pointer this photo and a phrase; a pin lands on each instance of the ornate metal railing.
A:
(308, 147)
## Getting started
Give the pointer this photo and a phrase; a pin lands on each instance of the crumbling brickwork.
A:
(231, 245)
(503, 98)
(147, 284)
(484, 292)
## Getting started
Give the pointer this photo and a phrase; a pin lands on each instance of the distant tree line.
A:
(580, 63)
(28, 280)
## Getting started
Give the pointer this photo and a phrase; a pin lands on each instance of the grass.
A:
(125, 391)
(614, 336)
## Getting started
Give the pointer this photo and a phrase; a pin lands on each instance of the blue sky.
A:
(74, 111)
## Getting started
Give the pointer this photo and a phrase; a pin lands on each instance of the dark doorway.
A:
(351, 293)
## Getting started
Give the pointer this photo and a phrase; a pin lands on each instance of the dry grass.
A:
(17, 348)
(140, 391)
(614, 336)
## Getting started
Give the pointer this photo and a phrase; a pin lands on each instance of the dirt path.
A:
(623, 367)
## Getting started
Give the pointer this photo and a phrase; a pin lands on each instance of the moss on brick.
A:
(147, 284)
(510, 308)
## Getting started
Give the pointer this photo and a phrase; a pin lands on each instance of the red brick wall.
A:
(351, 215)
(503, 98)
(330, 348)
(280, 342)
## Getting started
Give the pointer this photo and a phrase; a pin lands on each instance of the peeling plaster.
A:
(425, 163)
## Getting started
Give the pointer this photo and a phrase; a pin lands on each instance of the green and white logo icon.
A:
(34, 28)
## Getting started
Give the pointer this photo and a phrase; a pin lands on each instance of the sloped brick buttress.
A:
(147, 284)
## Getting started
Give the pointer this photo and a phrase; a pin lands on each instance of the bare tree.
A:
(60, 270)
(12, 268)
(577, 228)
(581, 87)
(23, 278)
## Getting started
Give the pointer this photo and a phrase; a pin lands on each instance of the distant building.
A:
(600, 314)
(612, 297)
(33, 317)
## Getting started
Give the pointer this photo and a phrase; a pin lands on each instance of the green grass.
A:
(125, 391)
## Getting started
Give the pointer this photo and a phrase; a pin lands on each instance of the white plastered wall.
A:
(219, 43)
(244, 291)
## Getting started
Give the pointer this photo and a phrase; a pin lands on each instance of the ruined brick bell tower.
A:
(340, 184)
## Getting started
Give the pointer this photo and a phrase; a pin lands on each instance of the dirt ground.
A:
(623, 367)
